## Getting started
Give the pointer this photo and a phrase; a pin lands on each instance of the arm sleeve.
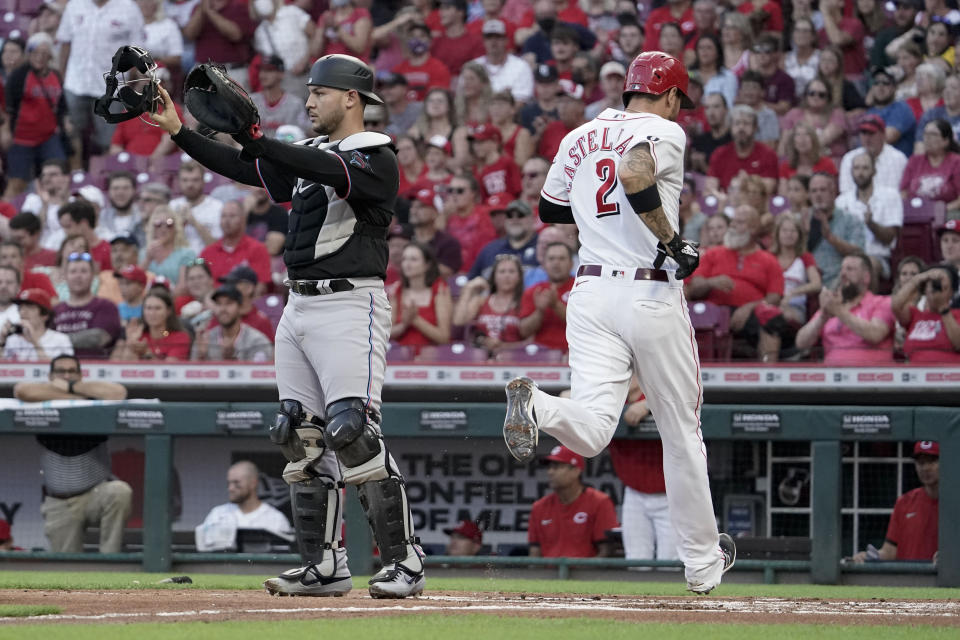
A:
(551, 213)
(217, 157)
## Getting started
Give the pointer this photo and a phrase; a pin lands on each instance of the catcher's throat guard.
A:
(124, 91)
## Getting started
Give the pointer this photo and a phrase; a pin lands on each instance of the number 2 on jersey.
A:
(607, 171)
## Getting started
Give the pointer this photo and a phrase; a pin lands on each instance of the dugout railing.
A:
(826, 428)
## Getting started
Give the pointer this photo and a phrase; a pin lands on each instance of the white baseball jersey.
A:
(584, 176)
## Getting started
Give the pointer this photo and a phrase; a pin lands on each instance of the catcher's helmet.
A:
(344, 72)
(656, 72)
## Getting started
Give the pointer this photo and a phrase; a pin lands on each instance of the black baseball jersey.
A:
(338, 233)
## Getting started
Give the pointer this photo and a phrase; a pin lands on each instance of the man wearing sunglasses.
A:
(520, 240)
(897, 115)
(78, 488)
(779, 90)
(332, 339)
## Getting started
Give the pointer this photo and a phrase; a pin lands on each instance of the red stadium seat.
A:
(272, 306)
(709, 205)
(213, 180)
(14, 25)
(102, 166)
(456, 352)
(918, 235)
(531, 353)
(711, 324)
(8, 6)
(25, 7)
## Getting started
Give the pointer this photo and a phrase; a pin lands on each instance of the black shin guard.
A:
(385, 504)
(316, 509)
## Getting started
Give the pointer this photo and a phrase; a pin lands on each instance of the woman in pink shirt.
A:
(933, 335)
(935, 173)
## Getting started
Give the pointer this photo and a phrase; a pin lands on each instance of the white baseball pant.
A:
(615, 326)
(645, 523)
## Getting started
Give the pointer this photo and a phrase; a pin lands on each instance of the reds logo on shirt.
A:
(580, 517)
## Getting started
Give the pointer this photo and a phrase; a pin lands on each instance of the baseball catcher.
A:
(332, 338)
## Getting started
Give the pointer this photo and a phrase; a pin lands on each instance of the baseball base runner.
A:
(619, 177)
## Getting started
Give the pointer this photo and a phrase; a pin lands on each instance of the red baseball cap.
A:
(485, 132)
(4, 530)
(872, 123)
(426, 198)
(561, 454)
(440, 143)
(133, 273)
(926, 447)
(468, 529)
(38, 297)
(950, 225)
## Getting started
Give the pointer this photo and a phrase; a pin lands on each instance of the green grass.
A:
(24, 610)
(444, 627)
(120, 580)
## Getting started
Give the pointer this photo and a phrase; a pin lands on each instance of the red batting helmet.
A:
(656, 72)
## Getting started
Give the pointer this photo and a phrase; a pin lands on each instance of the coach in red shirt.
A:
(572, 521)
(543, 308)
(747, 279)
(913, 530)
(743, 156)
(236, 247)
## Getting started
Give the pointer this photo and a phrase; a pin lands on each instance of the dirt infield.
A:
(170, 605)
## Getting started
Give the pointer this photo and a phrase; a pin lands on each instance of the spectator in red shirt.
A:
(496, 173)
(706, 21)
(803, 154)
(570, 109)
(422, 70)
(11, 255)
(932, 327)
(157, 336)
(244, 279)
(79, 218)
(436, 175)
(677, 11)
(492, 10)
(543, 309)
(845, 32)
(516, 138)
(743, 156)
(913, 532)
(490, 307)
(223, 31)
(345, 28)
(237, 248)
(35, 109)
(138, 138)
(422, 306)
(764, 16)
(457, 44)
(467, 220)
(423, 219)
(25, 230)
(571, 522)
(747, 279)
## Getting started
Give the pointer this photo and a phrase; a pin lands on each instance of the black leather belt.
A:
(318, 287)
(641, 274)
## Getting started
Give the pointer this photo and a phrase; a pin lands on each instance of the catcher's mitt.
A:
(218, 102)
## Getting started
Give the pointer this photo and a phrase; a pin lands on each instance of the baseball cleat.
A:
(520, 426)
(729, 550)
(399, 580)
(307, 581)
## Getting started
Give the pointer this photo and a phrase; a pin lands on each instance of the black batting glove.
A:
(683, 252)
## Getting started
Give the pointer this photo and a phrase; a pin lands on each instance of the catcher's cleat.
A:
(520, 426)
(307, 581)
(400, 579)
(729, 550)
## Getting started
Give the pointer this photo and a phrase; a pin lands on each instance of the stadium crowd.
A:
(823, 177)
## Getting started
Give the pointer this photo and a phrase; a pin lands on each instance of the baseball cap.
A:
(872, 123)
(91, 194)
(38, 297)
(441, 143)
(389, 79)
(561, 454)
(952, 226)
(613, 68)
(128, 239)
(399, 231)
(485, 131)
(5, 531)
(425, 197)
(546, 73)
(880, 71)
(160, 281)
(467, 529)
(133, 273)
(926, 447)
(230, 291)
(241, 272)
(494, 28)
(570, 89)
(272, 63)
(521, 206)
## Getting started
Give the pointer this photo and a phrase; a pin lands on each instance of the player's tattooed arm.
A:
(637, 172)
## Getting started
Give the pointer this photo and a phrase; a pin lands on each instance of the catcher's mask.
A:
(124, 91)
